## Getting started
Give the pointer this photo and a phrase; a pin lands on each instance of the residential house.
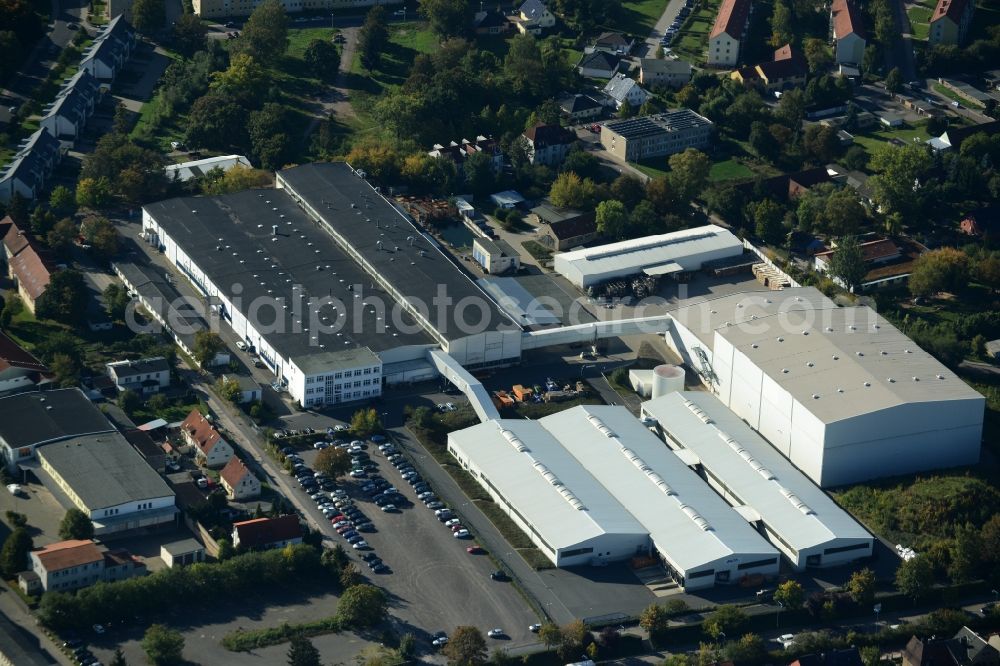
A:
(954, 136)
(110, 50)
(239, 481)
(580, 107)
(267, 533)
(181, 553)
(249, 389)
(636, 139)
(495, 256)
(849, 34)
(664, 72)
(786, 187)
(949, 24)
(845, 657)
(599, 65)
(621, 89)
(144, 376)
(27, 263)
(727, 35)
(548, 144)
(788, 69)
(490, 23)
(211, 450)
(565, 228)
(74, 104)
(533, 17)
(32, 164)
(981, 223)
(19, 369)
(71, 565)
(614, 42)
(889, 262)
(459, 152)
(185, 171)
(965, 648)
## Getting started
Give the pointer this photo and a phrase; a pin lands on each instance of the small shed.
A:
(180, 553)
(507, 199)
(250, 390)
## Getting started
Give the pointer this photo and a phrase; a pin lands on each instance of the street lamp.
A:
(777, 614)
(584, 367)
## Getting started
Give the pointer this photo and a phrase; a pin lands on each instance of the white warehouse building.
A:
(797, 517)
(591, 485)
(840, 392)
(664, 254)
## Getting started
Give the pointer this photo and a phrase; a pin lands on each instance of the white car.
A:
(440, 641)
(495, 633)
(242, 346)
(453, 521)
(389, 508)
(339, 428)
(534, 628)
(361, 545)
(461, 534)
(425, 495)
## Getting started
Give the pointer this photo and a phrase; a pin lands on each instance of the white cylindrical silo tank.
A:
(667, 379)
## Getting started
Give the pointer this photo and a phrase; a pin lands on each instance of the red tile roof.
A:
(872, 250)
(200, 431)
(67, 554)
(13, 355)
(233, 472)
(846, 19)
(32, 271)
(14, 239)
(542, 135)
(953, 9)
(731, 19)
(265, 531)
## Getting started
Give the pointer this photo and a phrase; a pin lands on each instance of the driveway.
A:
(648, 48)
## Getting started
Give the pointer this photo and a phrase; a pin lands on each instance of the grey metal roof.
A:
(140, 366)
(664, 66)
(166, 302)
(32, 162)
(670, 121)
(74, 100)
(230, 238)
(342, 358)
(620, 86)
(600, 60)
(753, 471)
(27, 419)
(104, 470)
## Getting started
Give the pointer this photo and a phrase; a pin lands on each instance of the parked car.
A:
(389, 508)
(499, 575)
(534, 628)
(475, 550)
(435, 505)
(495, 633)
(461, 534)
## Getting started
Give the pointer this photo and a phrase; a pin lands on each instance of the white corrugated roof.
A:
(649, 251)
(551, 490)
(789, 503)
(688, 522)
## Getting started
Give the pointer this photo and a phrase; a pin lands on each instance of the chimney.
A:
(274, 229)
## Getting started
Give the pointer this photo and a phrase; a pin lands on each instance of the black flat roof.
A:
(27, 419)
(231, 239)
(358, 213)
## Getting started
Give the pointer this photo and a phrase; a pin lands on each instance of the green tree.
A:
(966, 552)
(986, 271)
(820, 142)
(626, 110)
(93, 193)
(228, 389)
(915, 576)
(570, 191)
(244, 80)
(612, 219)
(899, 171)
(725, 619)
(14, 554)
(149, 16)
(15, 519)
(118, 659)
(628, 189)
(76, 525)
(582, 163)
(270, 144)
(163, 645)
(365, 422)
(323, 59)
(265, 35)
(782, 30)
(217, 122)
(301, 652)
(861, 586)
(644, 220)
(236, 179)
(129, 401)
(60, 238)
(818, 55)
(362, 606)
(64, 299)
(466, 647)
(447, 18)
(574, 639)
(189, 34)
(945, 269)
(101, 235)
(894, 80)
(66, 368)
(654, 619)
(689, 172)
(207, 345)
(373, 38)
(749, 649)
(62, 201)
(550, 634)
(767, 217)
(116, 301)
(790, 593)
(333, 462)
(848, 263)
(479, 173)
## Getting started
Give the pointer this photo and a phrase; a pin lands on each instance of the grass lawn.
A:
(731, 169)
(919, 17)
(298, 40)
(692, 38)
(538, 251)
(638, 17)
(875, 138)
(952, 95)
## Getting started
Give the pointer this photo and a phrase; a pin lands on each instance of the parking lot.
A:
(435, 585)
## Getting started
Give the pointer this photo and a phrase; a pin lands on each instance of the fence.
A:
(764, 258)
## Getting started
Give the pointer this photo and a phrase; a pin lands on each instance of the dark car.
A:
(499, 576)
(374, 562)
(380, 569)
(365, 527)
(435, 505)
(369, 556)
(446, 515)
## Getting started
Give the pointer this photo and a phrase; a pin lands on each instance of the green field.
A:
(952, 95)
(731, 169)
(919, 17)
(693, 35)
(638, 17)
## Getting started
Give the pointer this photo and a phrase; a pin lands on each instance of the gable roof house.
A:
(111, 50)
(27, 264)
(621, 89)
(267, 533)
(239, 481)
(664, 72)
(33, 163)
(580, 107)
(614, 42)
(533, 17)
(490, 23)
(68, 565)
(461, 151)
(74, 104)
(786, 70)
(949, 24)
(599, 65)
(953, 137)
(19, 370)
(144, 376)
(548, 144)
(211, 450)
(728, 33)
(848, 30)
(965, 648)
(565, 228)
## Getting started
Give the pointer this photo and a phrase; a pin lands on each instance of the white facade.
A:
(674, 252)
(839, 391)
(723, 50)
